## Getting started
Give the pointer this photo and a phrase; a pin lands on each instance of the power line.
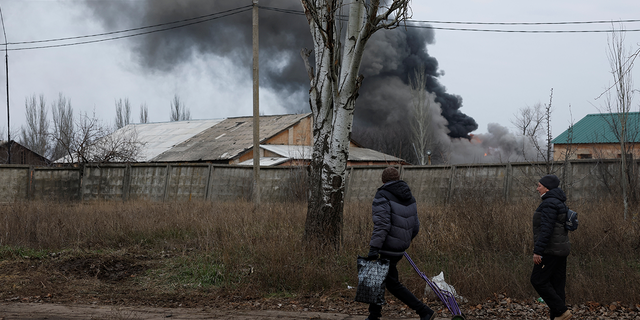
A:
(140, 28)
(530, 23)
(409, 23)
(523, 31)
(418, 24)
(209, 17)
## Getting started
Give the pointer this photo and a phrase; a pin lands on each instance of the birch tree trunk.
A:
(334, 84)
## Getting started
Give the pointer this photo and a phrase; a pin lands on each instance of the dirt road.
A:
(49, 311)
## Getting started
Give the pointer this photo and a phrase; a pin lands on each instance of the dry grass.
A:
(483, 246)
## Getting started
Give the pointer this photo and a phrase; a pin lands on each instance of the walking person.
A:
(551, 247)
(395, 224)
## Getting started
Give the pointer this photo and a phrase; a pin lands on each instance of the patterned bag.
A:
(371, 280)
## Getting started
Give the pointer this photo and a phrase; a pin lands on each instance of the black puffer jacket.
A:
(395, 218)
(550, 237)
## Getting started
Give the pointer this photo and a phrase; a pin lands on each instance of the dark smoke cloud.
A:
(390, 56)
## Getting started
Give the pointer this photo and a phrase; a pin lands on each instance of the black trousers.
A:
(549, 279)
(399, 291)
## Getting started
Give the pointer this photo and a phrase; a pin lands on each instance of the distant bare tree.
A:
(63, 127)
(89, 131)
(529, 121)
(549, 147)
(144, 113)
(421, 127)
(123, 113)
(178, 110)
(534, 123)
(120, 146)
(35, 135)
(93, 141)
(621, 62)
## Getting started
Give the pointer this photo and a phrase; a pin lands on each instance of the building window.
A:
(585, 156)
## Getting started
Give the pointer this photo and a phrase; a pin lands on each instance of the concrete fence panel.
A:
(594, 179)
(283, 185)
(429, 184)
(14, 182)
(581, 179)
(474, 181)
(147, 182)
(523, 182)
(363, 182)
(103, 182)
(229, 183)
(187, 182)
(55, 184)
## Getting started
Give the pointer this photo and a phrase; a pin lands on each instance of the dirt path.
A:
(49, 311)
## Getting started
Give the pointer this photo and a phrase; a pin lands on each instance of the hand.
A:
(373, 253)
(537, 259)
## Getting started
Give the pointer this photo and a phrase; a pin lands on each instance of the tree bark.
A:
(334, 85)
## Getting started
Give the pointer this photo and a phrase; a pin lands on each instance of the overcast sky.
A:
(495, 73)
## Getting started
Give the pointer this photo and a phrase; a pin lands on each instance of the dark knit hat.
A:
(550, 181)
(390, 174)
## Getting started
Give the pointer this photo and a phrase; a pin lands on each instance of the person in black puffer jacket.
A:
(551, 247)
(395, 224)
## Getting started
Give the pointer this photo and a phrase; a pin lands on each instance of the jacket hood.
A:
(555, 193)
(398, 188)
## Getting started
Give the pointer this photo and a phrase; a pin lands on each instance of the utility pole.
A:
(6, 62)
(256, 109)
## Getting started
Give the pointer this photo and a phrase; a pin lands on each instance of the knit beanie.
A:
(550, 181)
(390, 174)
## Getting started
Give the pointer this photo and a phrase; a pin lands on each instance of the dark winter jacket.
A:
(395, 218)
(550, 237)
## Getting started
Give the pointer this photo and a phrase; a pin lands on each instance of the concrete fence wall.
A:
(195, 181)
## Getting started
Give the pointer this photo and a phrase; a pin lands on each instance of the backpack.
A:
(571, 223)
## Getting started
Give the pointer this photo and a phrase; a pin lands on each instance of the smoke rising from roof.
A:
(390, 56)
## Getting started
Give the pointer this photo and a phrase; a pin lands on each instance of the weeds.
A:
(482, 244)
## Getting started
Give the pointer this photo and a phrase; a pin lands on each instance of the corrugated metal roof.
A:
(228, 139)
(304, 152)
(156, 138)
(288, 152)
(597, 128)
(265, 161)
(160, 137)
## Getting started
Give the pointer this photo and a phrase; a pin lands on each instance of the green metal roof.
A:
(598, 128)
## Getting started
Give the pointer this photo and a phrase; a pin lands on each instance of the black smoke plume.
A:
(390, 57)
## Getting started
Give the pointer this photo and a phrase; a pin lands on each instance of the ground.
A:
(90, 287)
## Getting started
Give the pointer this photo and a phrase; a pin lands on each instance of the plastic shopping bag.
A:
(371, 280)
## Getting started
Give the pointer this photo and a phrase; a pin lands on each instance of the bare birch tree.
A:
(123, 113)
(421, 126)
(334, 84)
(35, 135)
(178, 110)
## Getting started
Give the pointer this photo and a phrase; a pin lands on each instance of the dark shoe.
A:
(428, 316)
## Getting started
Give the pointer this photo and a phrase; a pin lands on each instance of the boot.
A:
(566, 315)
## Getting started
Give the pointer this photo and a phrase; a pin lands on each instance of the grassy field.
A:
(484, 247)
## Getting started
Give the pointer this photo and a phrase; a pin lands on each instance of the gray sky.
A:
(495, 73)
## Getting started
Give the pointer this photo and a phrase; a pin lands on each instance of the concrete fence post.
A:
(451, 183)
(126, 183)
(207, 188)
(166, 183)
(508, 178)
